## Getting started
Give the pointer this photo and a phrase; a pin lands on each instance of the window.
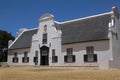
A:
(36, 58)
(90, 56)
(44, 38)
(53, 52)
(69, 54)
(15, 54)
(69, 57)
(15, 58)
(45, 28)
(25, 59)
(25, 54)
(54, 57)
(69, 51)
(90, 50)
(36, 53)
(44, 53)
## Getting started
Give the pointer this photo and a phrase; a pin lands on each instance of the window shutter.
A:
(16, 59)
(34, 59)
(65, 58)
(27, 59)
(23, 59)
(56, 58)
(73, 58)
(53, 59)
(85, 58)
(95, 57)
(13, 60)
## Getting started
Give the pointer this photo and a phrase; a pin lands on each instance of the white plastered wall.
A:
(115, 43)
(101, 48)
(53, 38)
(20, 54)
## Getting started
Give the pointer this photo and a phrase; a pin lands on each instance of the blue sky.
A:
(16, 14)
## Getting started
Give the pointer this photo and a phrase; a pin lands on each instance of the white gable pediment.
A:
(46, 17)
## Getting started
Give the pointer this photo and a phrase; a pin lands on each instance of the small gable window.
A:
(45, 29)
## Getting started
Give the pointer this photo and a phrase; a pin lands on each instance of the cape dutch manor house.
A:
(92, 41)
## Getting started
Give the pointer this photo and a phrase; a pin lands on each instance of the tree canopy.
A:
(4, 38)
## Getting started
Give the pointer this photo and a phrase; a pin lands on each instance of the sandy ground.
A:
(48, 73)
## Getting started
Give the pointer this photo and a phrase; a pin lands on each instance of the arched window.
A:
(45, 29)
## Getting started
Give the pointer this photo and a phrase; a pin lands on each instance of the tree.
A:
(4, 38)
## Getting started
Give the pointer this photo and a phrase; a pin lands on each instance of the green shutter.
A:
(27, 59)
(34, 59)
(65, 58)
(95, 57)
(73, 58)
(17, 59)
(23, 59)
(13, 60)
(56, 58)
(85, 58)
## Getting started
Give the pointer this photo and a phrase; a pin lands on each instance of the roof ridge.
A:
(31, 29)
(83, 18)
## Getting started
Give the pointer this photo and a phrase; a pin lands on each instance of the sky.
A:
(16, 14)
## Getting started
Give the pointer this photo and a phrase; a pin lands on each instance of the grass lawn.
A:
(34, 73)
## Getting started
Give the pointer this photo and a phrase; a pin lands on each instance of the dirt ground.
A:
(36, 73)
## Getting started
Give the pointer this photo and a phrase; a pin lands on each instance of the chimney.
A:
(10, 42)
(115, 12)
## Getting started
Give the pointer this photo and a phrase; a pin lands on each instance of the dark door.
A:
(44, 55)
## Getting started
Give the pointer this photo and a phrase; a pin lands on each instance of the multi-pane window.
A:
(90, 50)
(25, 59)
(36, 53)
(53, 52)
(36, 58)
(69, 57)
(69, 54)
(25, 54)
(90, 56)
(15, 54)
(15, 58)
(54, 57)
(44, 41)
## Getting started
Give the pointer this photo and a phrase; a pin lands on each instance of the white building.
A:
(90, 41)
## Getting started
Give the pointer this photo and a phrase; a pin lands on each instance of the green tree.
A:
(4, 38)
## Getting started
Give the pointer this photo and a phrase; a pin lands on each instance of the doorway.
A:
(44, 57)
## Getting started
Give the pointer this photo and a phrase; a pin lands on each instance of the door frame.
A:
(44, 58)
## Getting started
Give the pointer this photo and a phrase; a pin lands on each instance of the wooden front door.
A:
(44, 58)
